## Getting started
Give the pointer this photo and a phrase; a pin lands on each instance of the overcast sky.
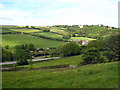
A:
(57, 12)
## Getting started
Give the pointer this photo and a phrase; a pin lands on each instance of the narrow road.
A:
(43, 59)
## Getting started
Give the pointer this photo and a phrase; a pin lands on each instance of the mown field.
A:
(18, 39)
(51, 35)
(82, 38)
(26, 30)
(6, 31)
(103, 75)
(58, 30)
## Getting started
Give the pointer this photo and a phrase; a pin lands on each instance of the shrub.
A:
(66, 37)
(6, 55)
(68, 49)
(31, 47)
(92, 56)
(21, 57)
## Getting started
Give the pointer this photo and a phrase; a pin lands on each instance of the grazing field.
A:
(18, 39)
(26, 30)
(6, 31)
(58, 30)
(51, 35)
(8, 26)
(73, 60)
(82, 38)
(103, 75)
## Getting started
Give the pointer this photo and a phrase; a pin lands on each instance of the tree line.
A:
(97, 51)
(20, 53)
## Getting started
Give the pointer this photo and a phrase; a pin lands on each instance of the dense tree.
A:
(33, 27)
(17, 47)
(68, 49)
(92, 56)
(73, 28)
(7, 47)
(22, 47)
(21, 57)
(112, 45)
(26, 46)
(31, 47)
(102, 50)
(46, 30)
(7, 55)
(26, 26)
(66, 36)
(21, 53)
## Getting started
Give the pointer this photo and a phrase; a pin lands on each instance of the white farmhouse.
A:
(84, 42)
(81, 26)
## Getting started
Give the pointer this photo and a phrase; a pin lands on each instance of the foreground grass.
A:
(90, 76)
(18, 39)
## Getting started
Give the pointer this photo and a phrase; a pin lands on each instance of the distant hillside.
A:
(19, 39)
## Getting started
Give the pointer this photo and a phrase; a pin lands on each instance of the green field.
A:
(6, 31)
(18, 39)
(58, 30)
(73, 60)
(26, 30)
(8, 26)
(82, 38)
(51, 35)
(103, 75)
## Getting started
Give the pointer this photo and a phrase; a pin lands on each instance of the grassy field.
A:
(6, 31)
(51, 35)
(26, 30)
(58, 30)
(18, 39)
(8, 26)
(82, 38)
(89, 76)
(73, 60)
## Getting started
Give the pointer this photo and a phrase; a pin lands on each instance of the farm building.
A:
(83, 42)
(81, 26)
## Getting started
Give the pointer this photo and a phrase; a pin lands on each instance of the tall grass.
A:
(89, 76)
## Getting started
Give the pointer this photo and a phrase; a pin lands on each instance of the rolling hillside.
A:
(26, 30)
(18, 39)
(51, 35)
(103, 75)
